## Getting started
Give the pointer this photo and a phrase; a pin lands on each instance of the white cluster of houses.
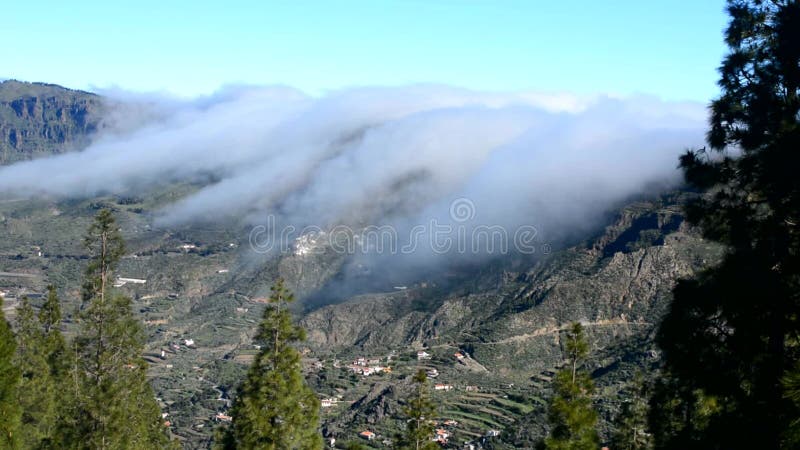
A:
(309, 243)
(367, 367)
(328, 402)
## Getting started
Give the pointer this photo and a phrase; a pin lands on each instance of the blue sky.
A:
(669, 48)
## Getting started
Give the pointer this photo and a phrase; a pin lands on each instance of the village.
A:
(195, 397)
(453, 427)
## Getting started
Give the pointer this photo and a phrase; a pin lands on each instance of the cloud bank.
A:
(394, 156)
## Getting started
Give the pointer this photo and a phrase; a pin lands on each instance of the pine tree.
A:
(630, 427)
(38, 389)
(731, 334)
(419, 412)
(571, 414)
(10, 412)
(577, 348)
(275, 409)
(112, 404)
(54, 345)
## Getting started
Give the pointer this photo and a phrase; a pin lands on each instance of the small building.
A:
(423, 355)
(459, 356)
(493, 433)
(472, 388)
(368, 435)
(443, 387)
(188, 342)
(222, 417)
(450, 423)
(441, 436)
(328, 402)
(432, 373)
(125, 280)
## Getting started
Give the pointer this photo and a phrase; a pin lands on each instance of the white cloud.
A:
(395, 155)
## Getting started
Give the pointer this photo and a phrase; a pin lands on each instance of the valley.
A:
(200, 290)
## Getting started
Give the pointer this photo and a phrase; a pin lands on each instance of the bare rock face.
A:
(39, 119)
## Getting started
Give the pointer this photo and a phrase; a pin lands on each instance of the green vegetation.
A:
(730, 340)
(110, 403)
(419, 413)
(630, 427)
(275, 409)
(10, 412)
(572, 416)
(40, 357)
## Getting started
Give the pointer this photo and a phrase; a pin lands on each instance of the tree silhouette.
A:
(732, 332)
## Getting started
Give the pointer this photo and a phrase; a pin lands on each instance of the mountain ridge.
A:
(40, 119)
(507, 316)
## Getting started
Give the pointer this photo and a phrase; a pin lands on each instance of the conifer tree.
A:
(630, 427)
(10, 412)
(275, 409)
(571, 414)
(38, 389)
(419, 411)
(112, 406)
(731, 334)
(54, 346)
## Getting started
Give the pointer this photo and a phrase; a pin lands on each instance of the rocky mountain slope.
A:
(38, 119)
(509, 321)
(506, 317)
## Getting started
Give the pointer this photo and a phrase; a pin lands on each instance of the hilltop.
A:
(39, 119)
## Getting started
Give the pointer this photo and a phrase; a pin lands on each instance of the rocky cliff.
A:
(38, 119)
